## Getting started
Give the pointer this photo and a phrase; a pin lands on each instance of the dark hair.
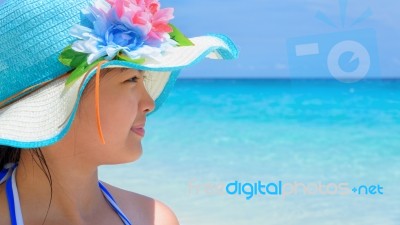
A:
(12, 155)
(9, 155)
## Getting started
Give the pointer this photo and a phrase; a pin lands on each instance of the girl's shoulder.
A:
(141, 209)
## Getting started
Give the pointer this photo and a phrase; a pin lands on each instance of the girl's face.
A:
(124, 103)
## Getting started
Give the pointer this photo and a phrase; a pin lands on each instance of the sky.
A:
(270, 36)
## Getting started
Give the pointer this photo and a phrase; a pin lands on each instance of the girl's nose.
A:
(147, 102)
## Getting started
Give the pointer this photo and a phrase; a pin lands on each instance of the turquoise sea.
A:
(322, 134)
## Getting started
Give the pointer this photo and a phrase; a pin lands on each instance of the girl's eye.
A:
(133, 79)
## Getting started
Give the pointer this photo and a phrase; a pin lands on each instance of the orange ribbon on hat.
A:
(97, 101)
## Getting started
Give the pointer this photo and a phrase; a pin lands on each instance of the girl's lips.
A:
(139, 131)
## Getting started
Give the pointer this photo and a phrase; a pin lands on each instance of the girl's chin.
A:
(134, 153)
(130, 153)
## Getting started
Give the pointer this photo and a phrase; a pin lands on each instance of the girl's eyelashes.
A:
(133, 79)
(136, 78)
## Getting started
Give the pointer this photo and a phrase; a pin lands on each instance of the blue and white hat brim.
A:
(45, 116)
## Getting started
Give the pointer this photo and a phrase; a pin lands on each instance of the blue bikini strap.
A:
(5, 172)
(113, 204)
(13, 198)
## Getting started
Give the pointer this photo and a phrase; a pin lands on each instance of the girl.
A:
(78, 80)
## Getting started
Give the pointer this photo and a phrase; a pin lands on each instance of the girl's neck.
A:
(76, 196)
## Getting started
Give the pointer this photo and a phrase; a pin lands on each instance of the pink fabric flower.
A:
(147, 15)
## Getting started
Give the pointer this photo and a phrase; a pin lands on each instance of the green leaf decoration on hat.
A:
(80, 70)
(72, 58)
(124, 57)
(179, 37)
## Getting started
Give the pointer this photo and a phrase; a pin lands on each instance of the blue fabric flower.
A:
(120, 35)
(104, 35)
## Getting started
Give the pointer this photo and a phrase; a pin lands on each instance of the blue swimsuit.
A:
(8, 175)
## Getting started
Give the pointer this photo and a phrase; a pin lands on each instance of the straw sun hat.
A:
(42, 40)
